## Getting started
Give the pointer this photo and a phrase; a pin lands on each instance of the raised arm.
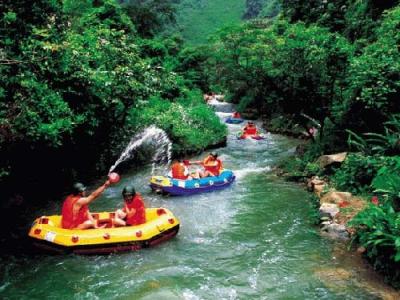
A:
(93, 195)
(196, 162)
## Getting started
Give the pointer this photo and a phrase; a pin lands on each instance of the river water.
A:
(253, 240)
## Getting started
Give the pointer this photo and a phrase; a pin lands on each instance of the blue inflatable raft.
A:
(231, 120)
(177, 187)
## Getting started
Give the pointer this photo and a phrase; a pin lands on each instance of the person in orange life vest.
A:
(236, 115)
(212, 165)
(179, 170)
(75, 211)
(133, 212)
(250, 128)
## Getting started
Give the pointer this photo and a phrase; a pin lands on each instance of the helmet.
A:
(78, 188)
(215, 154)
(128, 190)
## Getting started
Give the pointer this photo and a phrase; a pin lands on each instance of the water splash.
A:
(153, 137)
(220, 106)
(245, 171)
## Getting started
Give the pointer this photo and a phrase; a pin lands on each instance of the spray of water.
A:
(220, 106)
(153, 137)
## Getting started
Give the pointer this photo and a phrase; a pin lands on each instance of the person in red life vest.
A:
(179, 170)
(236, 115)
(75, 211)
(212, 165)
(133, 212)
(250, 128)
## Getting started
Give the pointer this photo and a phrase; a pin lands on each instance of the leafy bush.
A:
(189, 122)
(387, 181)
(378, 230)
(357, 172)
(293, 166)
(311, 169)
(379, 143)
(313, 151)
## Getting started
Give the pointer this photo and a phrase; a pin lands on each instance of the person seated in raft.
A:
(212, 165)
(236, 115)
(133, 212)
(75, 211)
(250, 128)
(179, 170)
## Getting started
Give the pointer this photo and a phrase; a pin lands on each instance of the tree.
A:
(151, 16)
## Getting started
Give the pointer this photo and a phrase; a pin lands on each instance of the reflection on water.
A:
(252, 240)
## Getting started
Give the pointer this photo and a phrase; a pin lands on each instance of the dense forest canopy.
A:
(78, 79)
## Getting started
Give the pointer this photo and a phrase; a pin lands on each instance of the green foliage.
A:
(47, 117)
(357, 172)
(189, 122)
(290, 69)
(387, 180)
(270, 9)
(311, 169)
(294, 167)
(374, 82)
(354, 19)
(199, 19)
(387, 143)
(192, 65)
(378, 230)
(254, 8)
(151, 16)
(312, 152)
(71, 77)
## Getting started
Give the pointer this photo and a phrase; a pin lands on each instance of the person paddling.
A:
(75, 211)
(212, 165)
(250, 128)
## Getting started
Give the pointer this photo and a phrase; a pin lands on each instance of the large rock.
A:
(318, 189)
(337, 231)
(336, 197)
(328, 210)
(316, 185)
(326, 160)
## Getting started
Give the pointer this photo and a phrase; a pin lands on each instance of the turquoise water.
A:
(253, 240)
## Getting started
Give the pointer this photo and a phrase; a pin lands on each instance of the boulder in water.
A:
(337, 231)
(328, 210)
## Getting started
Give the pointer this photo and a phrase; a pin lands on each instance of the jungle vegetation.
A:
(79, 78)
(335, 66)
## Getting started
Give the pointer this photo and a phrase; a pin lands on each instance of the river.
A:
(253, 240)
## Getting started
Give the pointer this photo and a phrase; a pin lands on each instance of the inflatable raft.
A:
(48, 235)
(232, 120)
(177, 187)
(243, 136)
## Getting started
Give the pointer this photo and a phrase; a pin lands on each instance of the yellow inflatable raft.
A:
(47, 234)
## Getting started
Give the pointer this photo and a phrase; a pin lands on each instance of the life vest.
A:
(69, 220)
(139, 217)
(250, 130)
(179, 171)
(213, 167)
(236, 115)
